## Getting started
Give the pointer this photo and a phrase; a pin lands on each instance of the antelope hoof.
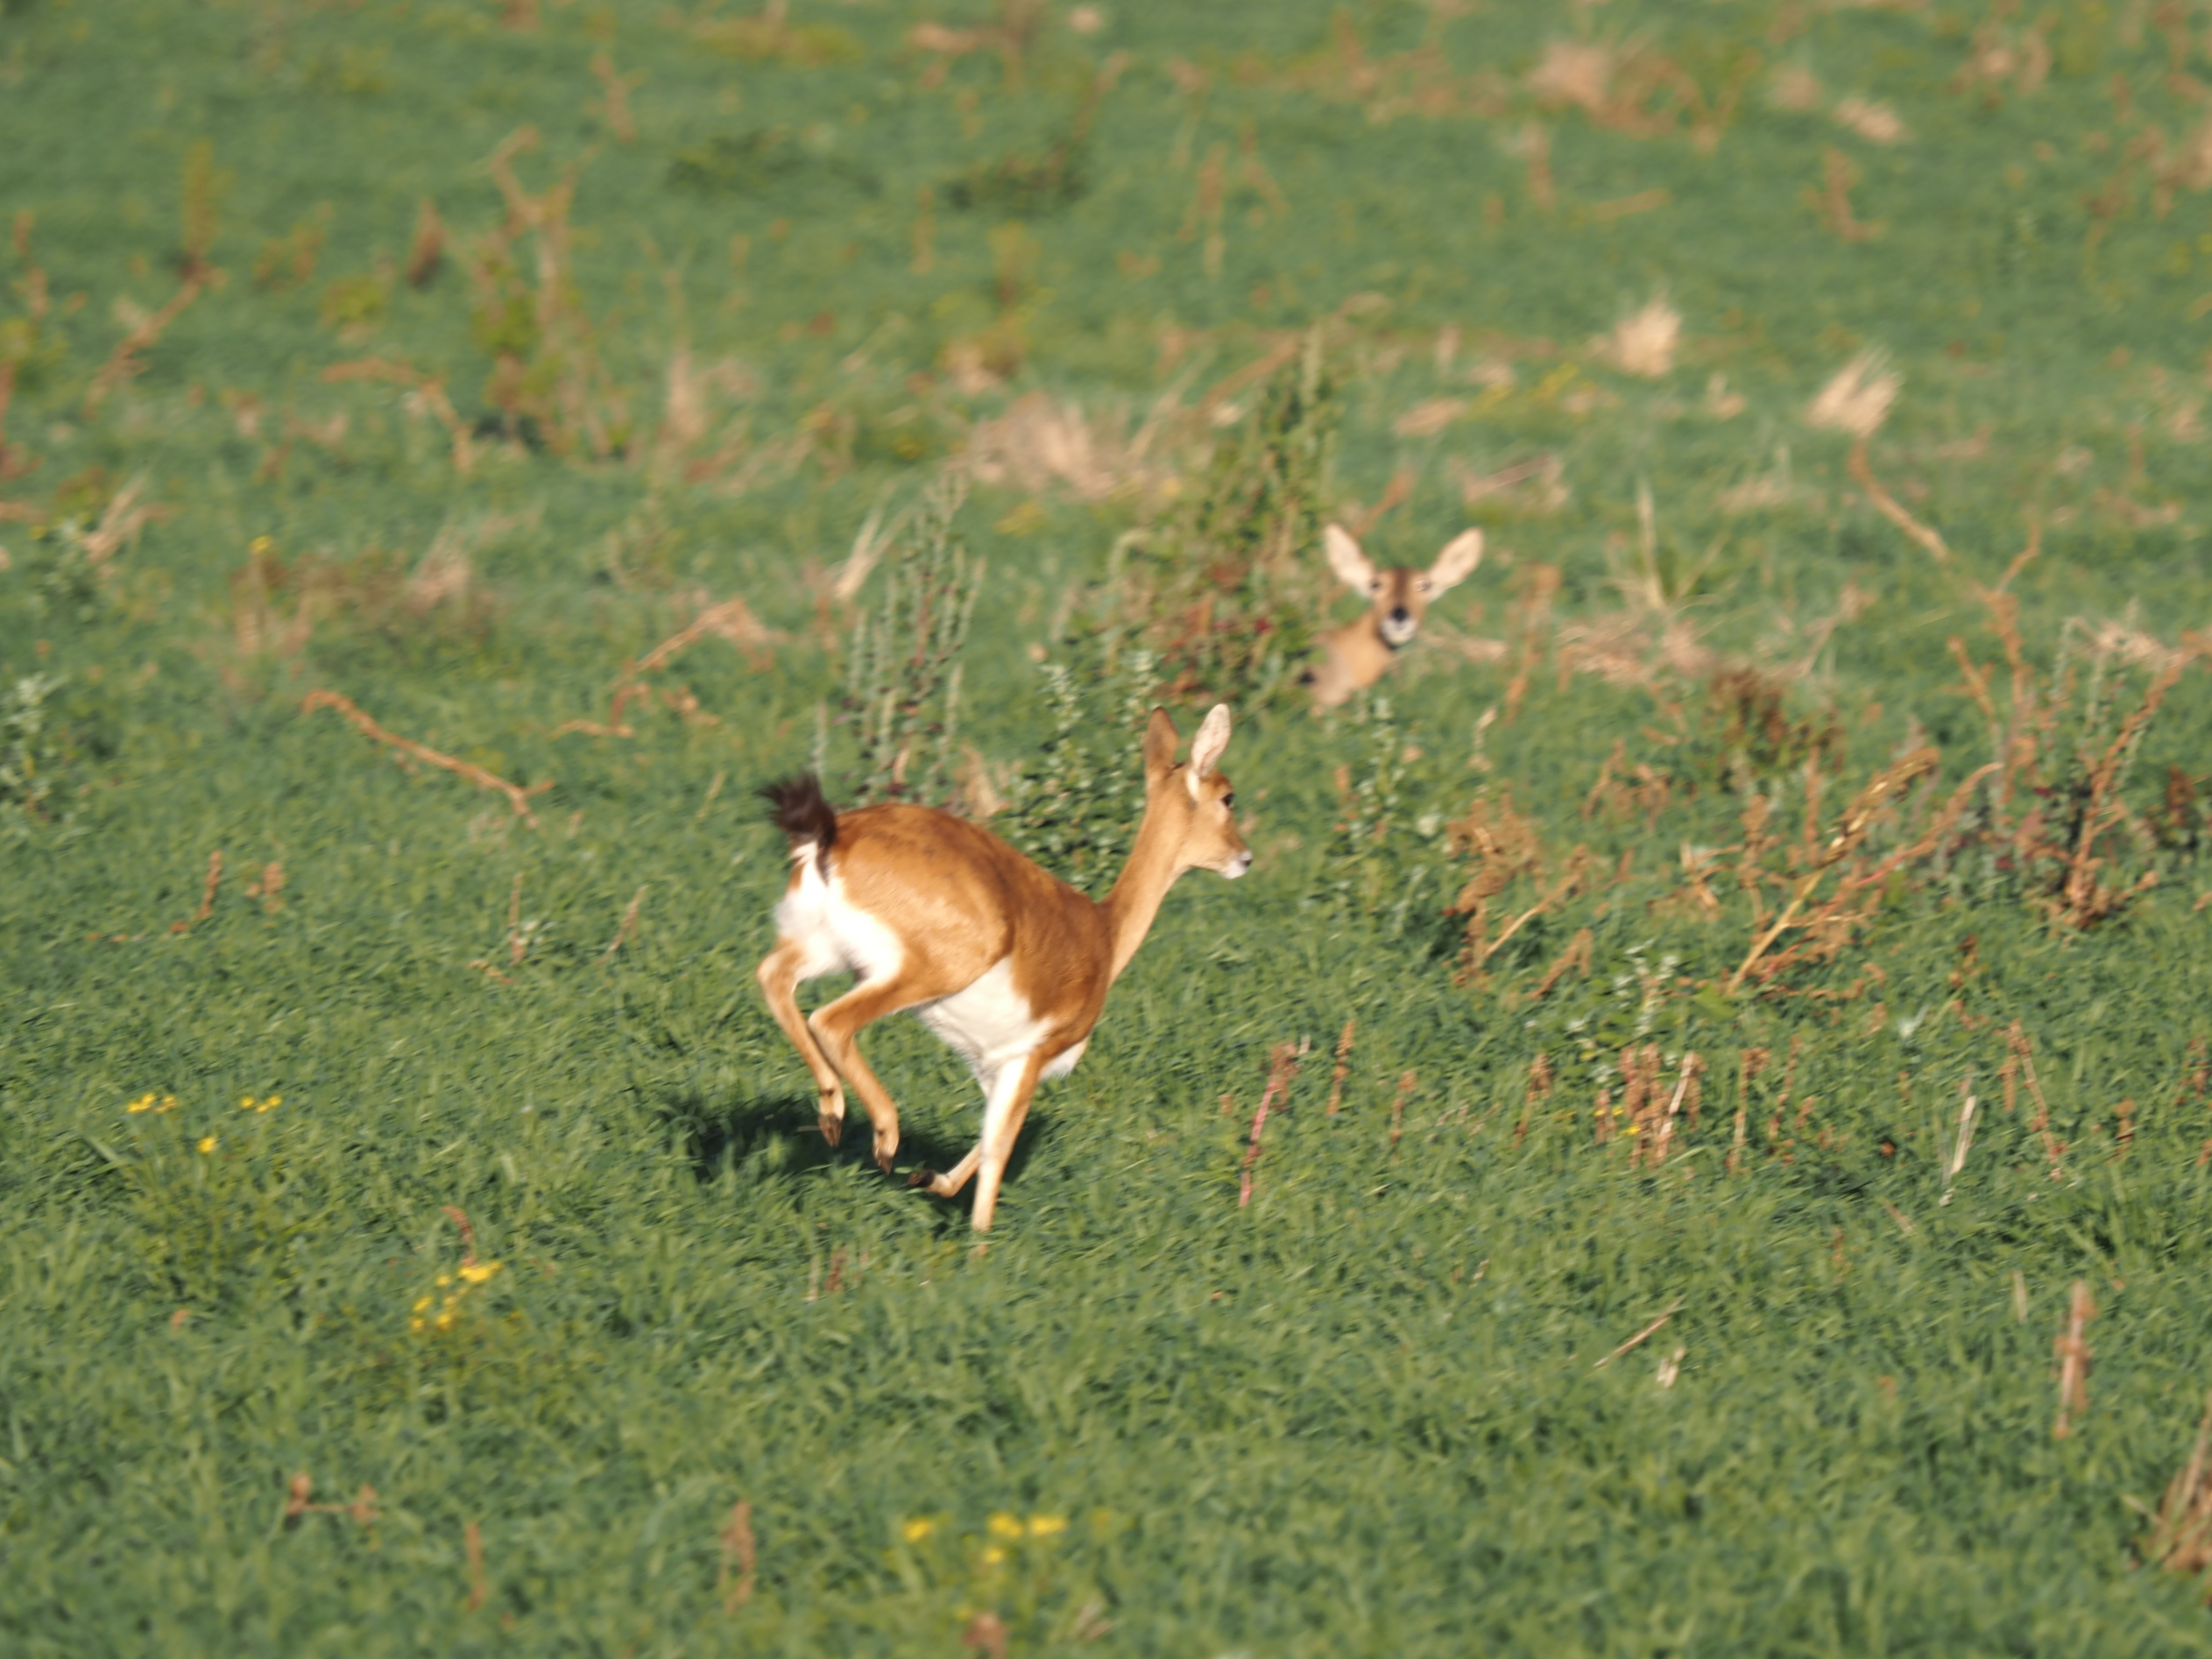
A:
(886, 1149)
(832, 1122)
(924, 1177)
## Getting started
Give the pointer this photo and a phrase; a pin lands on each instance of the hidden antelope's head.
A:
(1192, 801)
(1399, 597)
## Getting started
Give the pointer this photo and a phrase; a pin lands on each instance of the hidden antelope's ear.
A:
(1461, 555)
(1345, 559)
(1160, 741)
(1206, 748)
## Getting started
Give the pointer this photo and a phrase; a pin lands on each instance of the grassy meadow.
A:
(1695, 1134)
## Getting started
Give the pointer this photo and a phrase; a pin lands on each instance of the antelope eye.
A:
(1229, 800)
(1375, 587)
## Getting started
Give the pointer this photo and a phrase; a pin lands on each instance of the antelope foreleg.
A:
(1002, 1121)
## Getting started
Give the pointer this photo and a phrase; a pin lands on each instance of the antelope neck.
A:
(1145, 880)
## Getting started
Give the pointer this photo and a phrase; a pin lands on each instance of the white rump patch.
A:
(837, 934)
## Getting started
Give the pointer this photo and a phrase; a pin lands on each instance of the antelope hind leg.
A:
(779, 974)
(838, 1026)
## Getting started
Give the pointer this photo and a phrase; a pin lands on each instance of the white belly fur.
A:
(988, 1024)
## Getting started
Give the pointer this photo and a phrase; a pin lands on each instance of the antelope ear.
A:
(1346, 560)
(1206, 748)
(1461, 555)
(1160, 741)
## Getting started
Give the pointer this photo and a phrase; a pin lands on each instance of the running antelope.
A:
(1356, 655)
(1009, 965)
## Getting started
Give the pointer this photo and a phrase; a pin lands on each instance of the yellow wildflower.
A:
(1045, 1526)
(143, 1104)
(477, 1272)
(421, 1303)
(207, 1144)
(1003, 1525)
(993, 1557)
(918, 1529)
(442, 1280)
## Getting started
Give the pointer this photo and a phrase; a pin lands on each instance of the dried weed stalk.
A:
(2073, 1353)
(1830, 922)
(517, 797)
(2180, 1538)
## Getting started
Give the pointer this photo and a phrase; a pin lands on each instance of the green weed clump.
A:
(1074, 806)
(1224, 585)
(902, 664)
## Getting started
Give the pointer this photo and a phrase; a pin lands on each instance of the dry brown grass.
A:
(1645, 343)
(1042, 445)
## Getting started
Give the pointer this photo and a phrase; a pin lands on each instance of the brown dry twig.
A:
(1862, 471)
(1641, 1336)
(517, 797)
(2181, 1532)
(2023, 1053)
(628, 926)
(472, 1538)
(1835, 916)
(207, 895)
(302, 1488)
(1343, 1065)
(1282, 1068)
(2073, 1361)
(123, 362)
(734, 1582)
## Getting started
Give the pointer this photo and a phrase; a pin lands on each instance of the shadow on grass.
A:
(776, 1137)
(715, 1134)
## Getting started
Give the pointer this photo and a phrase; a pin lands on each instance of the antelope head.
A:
(1193, 803)
(1399, 597)
(1355, 656)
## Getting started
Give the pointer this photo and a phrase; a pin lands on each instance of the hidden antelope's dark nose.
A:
(1399, 615)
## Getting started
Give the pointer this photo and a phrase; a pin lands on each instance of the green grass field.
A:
(543, 379)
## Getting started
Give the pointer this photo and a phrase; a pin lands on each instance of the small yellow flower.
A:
(1047, 1526)
(993, 1557)
(1004, 1526)
(442, 1280)
(272, 1102)
(477, 1272)
(915, 1531)
(143, 1104)
(207, 1143)
(421, 1303)
(168, 1104)
(416, 1324)
(246, 1103)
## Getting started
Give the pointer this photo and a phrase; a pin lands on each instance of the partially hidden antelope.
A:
(1357, 654)
(1008, 964)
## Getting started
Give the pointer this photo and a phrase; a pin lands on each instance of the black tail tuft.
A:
(804, 813)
